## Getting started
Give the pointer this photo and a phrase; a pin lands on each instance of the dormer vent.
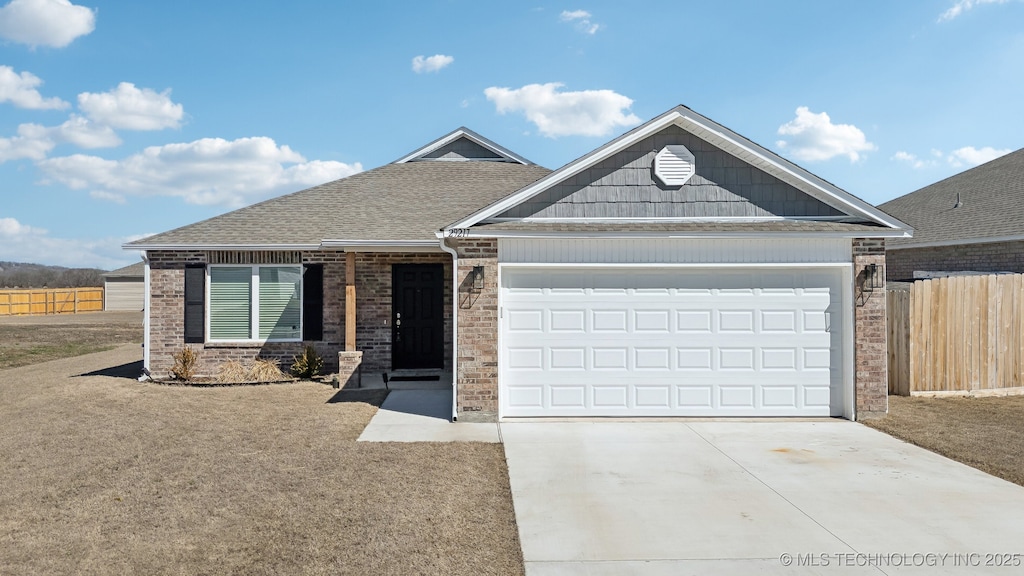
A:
(674, 165)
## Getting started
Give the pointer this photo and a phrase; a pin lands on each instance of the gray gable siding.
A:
(461, 149)
(624, 186)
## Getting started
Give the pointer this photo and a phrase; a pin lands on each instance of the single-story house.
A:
(973, 221)
(678, 270)
(125, 288)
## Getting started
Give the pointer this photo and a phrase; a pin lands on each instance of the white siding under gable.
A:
(674, 251)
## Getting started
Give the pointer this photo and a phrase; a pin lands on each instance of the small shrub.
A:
(308, 364)
(184, 364)
(232, 371)
(266, 371)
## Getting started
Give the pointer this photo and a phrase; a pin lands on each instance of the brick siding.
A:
(373, 304)
(478, 331)
(988, 257)
(871, 376)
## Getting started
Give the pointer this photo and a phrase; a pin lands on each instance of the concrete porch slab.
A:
(423, 415)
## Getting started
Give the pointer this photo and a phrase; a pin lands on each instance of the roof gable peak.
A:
(716, 135)
(463, 144)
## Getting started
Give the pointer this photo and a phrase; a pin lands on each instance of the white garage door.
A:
(671, 342)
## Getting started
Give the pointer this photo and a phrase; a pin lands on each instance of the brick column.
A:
(478, 331)
(871, 376)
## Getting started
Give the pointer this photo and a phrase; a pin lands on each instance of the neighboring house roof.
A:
(393, 204)
(496, 152)
(991, 206)
(137, 270)
(851, 208)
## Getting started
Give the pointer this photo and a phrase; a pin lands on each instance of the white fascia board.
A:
(463, 132)
(244, 247)
(381, 245)
(941, 243)
(665, 219)
(726, 139)
(472, 234)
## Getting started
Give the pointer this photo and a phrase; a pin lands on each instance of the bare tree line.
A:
(18, 275)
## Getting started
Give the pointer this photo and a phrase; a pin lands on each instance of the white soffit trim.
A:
(463, 132)
(474, 233)
(715, 134)
(941, 243)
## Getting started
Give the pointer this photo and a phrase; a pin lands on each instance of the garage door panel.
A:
(670, 343)
(652, 397)
(658, 359)
(610, 396)
(573, 320)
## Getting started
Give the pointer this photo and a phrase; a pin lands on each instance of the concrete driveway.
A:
(743, 497)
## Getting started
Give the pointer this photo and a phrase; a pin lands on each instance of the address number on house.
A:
(458, 232)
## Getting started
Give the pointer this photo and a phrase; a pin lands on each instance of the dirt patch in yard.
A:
(28, 340)
(106, 475)
(986, 433)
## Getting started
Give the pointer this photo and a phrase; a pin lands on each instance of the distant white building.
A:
(124, 288)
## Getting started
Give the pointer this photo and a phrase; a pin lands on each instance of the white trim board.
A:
(473, 233)
(716, 135)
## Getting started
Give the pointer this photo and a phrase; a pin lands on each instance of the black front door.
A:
(417, 308)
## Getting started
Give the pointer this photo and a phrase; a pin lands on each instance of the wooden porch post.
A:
(350, 302)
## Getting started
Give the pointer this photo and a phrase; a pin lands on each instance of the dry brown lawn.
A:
(26, 340)
(986, 433)
(102, 474)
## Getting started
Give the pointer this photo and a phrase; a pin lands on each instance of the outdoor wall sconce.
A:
(871, 277)
(478, 278)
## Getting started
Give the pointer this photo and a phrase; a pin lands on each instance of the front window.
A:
(255, 303)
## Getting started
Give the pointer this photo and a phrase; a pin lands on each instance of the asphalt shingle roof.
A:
(395, 202)
(137, 269)
(992, 204)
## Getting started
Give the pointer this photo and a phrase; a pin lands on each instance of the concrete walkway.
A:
(737, 497)
(423, 414)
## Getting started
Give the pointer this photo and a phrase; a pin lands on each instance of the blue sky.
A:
(121, 119)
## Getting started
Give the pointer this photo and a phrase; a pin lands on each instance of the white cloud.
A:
(421, 64)
(583, 113)
(53, 23)
(581, 19)
(108, 196)
(32, 142)
(208, 171)
(23, 243)
(85, 134)
(130, 108)
(971, 156)
(20, 90)
(813, 137)
(912, 160)
(962, 6)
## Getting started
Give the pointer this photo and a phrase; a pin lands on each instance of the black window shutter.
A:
(195, 304)
(313, 302)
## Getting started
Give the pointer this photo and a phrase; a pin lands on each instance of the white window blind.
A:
(255, 303)
(230, 301)
(280, 306)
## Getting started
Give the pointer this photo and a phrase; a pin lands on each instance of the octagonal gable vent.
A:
(674, 165)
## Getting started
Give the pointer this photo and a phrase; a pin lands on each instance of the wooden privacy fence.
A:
(960, 334)
(50, 301)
